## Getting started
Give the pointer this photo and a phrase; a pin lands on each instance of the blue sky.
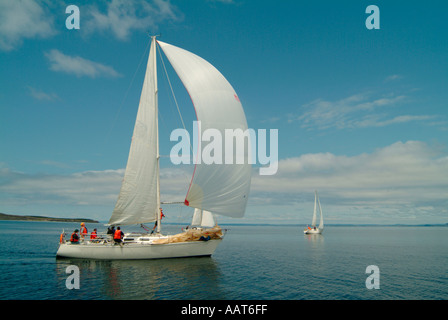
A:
(362, 114)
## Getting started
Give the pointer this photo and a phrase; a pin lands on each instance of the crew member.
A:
(155, 224)
(84, 231)
(74, 238)
(118, 236)
(93, 235)
(110, 232)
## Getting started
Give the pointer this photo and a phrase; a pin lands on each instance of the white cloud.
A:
(399, 177)
(356, 111)
(79, 66)
(94, 188)
(40, 95)
(352, 112)
(393, 77)
(376, 121)
(223, 1)
(55, 164)
(29, 19)
(121, 17)
(400, 165)
(90, 187)
(23, 19)
(403, 182)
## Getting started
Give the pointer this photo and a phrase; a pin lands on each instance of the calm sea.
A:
(252, 263)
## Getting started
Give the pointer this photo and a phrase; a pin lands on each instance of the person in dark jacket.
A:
(75, 238)
(110, 232)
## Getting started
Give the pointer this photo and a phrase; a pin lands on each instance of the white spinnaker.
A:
(137, 201)
(220, 188)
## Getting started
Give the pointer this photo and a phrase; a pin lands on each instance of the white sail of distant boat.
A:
(313, 229)
(221, 189)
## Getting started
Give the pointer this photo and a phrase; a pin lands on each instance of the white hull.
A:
(134, 251)
(312, 231)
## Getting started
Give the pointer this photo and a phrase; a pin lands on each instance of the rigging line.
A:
(107, 136)
(170, 101)
(129, 87)
(172, 92)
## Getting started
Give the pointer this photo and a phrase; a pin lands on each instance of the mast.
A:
(156, 91)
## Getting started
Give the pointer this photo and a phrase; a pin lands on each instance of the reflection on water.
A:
(316, 239)
(185, 278)
(316, 254)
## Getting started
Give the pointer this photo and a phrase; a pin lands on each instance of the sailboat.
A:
(220, 189)
(313, 229)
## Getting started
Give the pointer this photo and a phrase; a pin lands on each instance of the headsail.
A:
(220, 188)
(203, 218)
(317, 206)
(321, 223)
(137, 201)
(313, 222)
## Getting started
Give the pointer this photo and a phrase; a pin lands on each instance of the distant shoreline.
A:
(11, 217)
(4, 216)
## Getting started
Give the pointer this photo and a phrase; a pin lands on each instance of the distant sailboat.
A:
(313, 229)
(221, 189)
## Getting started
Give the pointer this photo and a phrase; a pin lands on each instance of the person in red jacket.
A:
(155, 224)
(83, 230)
(118, 236)
(93, 235)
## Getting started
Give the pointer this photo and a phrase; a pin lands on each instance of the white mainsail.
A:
(220, 188)
(137, 201)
